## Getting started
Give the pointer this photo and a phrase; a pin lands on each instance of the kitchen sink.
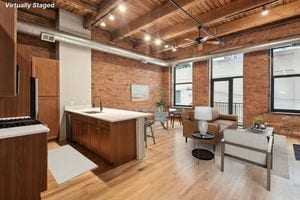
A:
(92, 112)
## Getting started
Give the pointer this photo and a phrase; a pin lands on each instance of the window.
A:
(227, 85)
(286, 79)
(183, 85)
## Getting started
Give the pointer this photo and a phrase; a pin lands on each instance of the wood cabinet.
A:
(8, 53)
(23, 166)
(47, 72)
(49, 114)
(113, 141)
(20, 104)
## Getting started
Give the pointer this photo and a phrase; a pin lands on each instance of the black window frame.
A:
(185, 83)
(273, 77)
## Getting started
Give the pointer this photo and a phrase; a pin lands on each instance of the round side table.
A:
(203, 154)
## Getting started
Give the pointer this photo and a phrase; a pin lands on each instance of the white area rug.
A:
(66, 163)
(280, 157)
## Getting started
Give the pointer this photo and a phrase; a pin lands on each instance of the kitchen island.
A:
(115, 135)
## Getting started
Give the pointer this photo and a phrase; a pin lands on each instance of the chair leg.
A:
(185, 139)
(152, 134)
(172, 122)
(145, 135)
(222, 155)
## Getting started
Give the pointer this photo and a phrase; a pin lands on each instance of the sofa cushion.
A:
(228, 124)
(215, 114)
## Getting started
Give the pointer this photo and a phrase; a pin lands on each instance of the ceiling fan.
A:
(200, 40)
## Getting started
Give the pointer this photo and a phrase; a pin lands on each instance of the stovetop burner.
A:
(17, 121)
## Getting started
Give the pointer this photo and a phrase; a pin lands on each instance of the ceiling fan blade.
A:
(212, 42)
(189, 40)
(187, 45)
(204, 38)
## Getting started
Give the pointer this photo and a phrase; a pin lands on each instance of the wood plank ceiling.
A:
(162, 20)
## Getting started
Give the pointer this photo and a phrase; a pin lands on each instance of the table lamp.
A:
(203, 113)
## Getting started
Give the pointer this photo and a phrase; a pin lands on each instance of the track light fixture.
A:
(264, 11)
(147, 37)
(122, 8)
(111, 17)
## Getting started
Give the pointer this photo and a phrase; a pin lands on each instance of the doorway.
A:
(227, 85)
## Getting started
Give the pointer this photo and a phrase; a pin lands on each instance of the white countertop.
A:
(107, 114)
(22, 131)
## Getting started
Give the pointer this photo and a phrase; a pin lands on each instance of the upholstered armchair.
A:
(249, 147)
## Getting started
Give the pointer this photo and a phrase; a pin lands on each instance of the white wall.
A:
(75, 68)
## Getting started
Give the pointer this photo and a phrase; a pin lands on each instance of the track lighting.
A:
(122, 8)
(166, 46)
(264, 11)
(111, 17)
(158, 41)
(103, 24)
(174, 49)
(147, 38)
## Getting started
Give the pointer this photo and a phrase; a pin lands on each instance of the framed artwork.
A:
(139, 92)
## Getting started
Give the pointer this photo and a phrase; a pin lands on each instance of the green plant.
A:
(257, 120)
(161, 103)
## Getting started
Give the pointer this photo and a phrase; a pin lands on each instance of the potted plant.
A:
(257, 121)
(161, 105)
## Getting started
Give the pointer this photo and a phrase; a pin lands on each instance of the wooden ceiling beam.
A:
(76, 4)
(211, 17)
(275, 14)
(103, 8)
(151, 18)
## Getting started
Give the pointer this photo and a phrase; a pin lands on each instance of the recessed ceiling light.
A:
(147, 37)
(122, 8)
(264, 11)
(174, 49)
(111, 17)
(158, 41)
(166, 46)
(103, 24)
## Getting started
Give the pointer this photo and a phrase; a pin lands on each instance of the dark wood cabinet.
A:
(49, 114)
(8, 53)
(105, 144)
(47, 72)
(113, 141)
(80, 130)
(23, 166)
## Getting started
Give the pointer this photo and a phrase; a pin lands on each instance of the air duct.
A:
(259, 47)
(35, 30)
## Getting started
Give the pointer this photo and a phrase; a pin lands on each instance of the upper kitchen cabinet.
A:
(8, 47)
(47, 71)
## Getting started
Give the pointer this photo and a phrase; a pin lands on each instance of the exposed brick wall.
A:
(201, 83)
(257, 96)
(256, 85)
(112, 77)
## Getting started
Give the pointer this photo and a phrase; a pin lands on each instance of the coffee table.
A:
(203, 154)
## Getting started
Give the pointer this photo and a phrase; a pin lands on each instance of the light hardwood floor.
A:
(169, 171)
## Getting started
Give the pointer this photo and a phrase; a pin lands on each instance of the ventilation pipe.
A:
(35, 30)
(259, 47)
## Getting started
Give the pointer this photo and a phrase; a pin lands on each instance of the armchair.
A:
(249, 147)
(216, 126)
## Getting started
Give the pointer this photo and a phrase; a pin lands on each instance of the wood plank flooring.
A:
(169, 171)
